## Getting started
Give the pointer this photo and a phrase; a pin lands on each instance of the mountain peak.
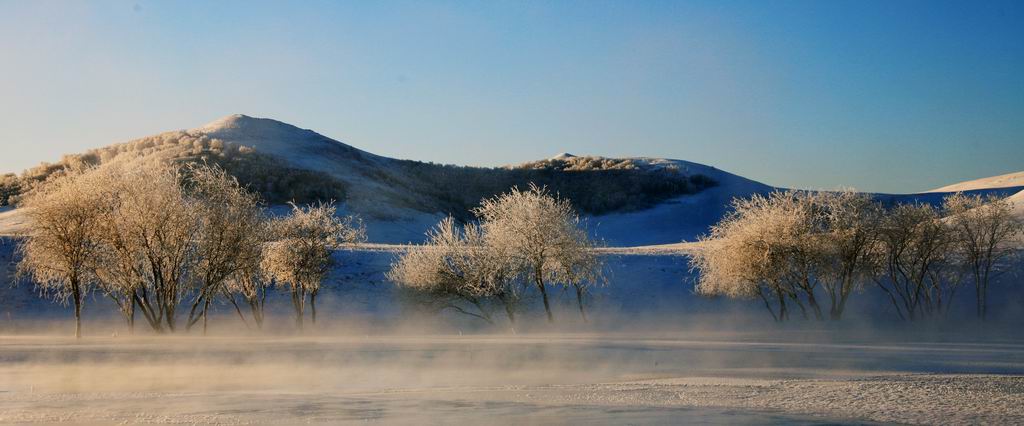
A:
(236, 122)
(260, 132)
(302, 147)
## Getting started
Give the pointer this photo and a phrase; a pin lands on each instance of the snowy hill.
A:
(677, 219)
(1008, 180)
(400, 199)
(383, 190)
(681, 219)
(390, 211)
(301, 146)
(366, 174)
(1017, 200)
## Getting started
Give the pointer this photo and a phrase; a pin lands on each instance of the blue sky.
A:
(893, 95)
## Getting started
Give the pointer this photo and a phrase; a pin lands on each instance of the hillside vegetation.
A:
(275, 181)
(594, 185)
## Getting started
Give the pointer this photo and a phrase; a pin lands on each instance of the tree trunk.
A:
(231, 298)
(509, 311)
(836, 312)
(814, 305)
(312, 307)
(76, 292)
(767, 304)
(298, 300)
(169, 316)
(131, 316)
(579, 301)
(984, 289)
(977, 297)
(257, 313)
(206, 310)
(170, 306)
(192, 318)
(803, 310)
(977, 291)
(148, 312)
(544, 295)
(984, 300)
(783, 312)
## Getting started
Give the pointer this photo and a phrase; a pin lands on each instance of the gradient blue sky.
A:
(893, 95)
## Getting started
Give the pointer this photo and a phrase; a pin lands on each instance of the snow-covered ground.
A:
(794, 377)
(12, 221)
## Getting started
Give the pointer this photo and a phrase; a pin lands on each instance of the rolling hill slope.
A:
(1009, 180)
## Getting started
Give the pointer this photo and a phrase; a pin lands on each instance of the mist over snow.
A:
(512, 212)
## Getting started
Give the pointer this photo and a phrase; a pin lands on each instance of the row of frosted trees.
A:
(810, 251)
(156, 240)
(159, 239)
(521, 241)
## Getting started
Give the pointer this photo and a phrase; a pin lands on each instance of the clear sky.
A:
(890, 95)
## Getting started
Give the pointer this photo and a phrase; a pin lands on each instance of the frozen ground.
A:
(802, 377)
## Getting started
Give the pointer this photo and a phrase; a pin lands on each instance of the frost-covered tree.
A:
(545, 235)
(150, 233)
(985, 232)
(784, 246)
(914, 262)
(231, 235)
(850, 224)
(249, 283)
(300, 255)
(796, 229)
(456, 269)
(581, 266)
(728, 267)
(747, 254)
(59, 250)
(10, 187)
(151, 236)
